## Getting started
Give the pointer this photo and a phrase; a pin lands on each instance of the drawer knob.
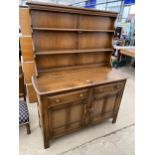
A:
(89, 81)
(81, 95)
(57, 100)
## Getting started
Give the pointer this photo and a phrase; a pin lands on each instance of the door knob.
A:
(57, 100)
(81, 95)
(89, 81)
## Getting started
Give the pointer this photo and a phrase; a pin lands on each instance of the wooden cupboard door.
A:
(66, 118)
(105, 100)
(101, 108)
(66, 112)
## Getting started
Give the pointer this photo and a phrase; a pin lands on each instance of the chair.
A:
(24, 115)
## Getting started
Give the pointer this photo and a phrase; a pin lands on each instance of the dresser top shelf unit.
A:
(68, 60)
(60, 81)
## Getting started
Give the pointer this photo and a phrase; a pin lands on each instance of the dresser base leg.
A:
(46, 145)
(114, 119)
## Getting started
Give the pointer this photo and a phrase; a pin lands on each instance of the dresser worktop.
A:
(59, 81)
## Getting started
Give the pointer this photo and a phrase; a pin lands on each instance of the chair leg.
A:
(28, 128)
(39, 119)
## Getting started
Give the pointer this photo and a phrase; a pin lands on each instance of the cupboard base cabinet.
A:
(68, 109)
(75, 84)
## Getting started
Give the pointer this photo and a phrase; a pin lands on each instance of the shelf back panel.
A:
(46, 19)
(96, 23)
(68, 60)
(49, 40)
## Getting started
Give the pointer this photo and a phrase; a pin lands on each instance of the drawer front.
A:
(67, 97)
(108, 89)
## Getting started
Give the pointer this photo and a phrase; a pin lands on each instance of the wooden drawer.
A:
(109, 88)
(68, 97)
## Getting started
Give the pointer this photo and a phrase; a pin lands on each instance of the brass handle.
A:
(89, 81)
(57, 100)
(81, 95)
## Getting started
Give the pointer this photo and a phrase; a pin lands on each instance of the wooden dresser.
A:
(75, 83)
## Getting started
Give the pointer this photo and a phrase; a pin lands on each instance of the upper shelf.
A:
(73, 51)
(71, 30)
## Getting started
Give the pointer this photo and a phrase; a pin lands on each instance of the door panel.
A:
(97, 107)
(76, 113)
(102, 108)
(67, 117)
(59, 118)
(110, 103)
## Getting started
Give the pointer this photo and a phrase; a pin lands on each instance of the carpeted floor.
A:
(105, 138)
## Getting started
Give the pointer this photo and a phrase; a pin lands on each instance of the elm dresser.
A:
(75, 84)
